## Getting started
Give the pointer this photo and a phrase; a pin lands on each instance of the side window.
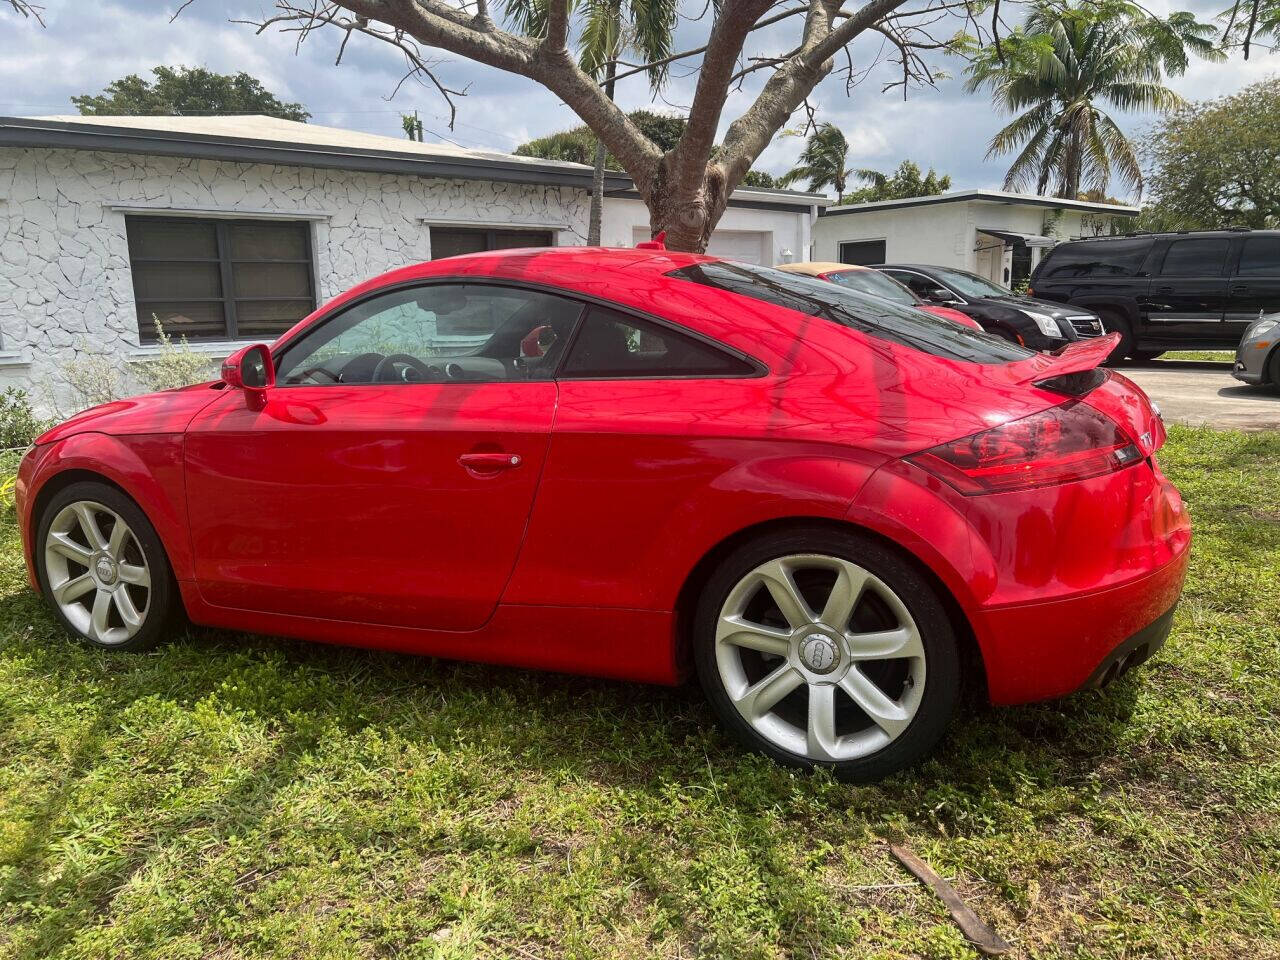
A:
(1260, 257)
(435, 334)
(613, 345)
(922, 287)
(1097, 258)
(1195, 258)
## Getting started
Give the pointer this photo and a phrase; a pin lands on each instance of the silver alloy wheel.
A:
(97, 573)
(864, 683)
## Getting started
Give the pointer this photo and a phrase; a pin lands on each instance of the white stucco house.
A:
(229, 229)
(990, 232)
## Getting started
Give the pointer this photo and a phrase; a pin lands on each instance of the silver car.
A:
(1258, 356)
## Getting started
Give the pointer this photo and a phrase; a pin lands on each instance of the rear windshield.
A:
(867, 314)
(1096, 258)
(875, 283)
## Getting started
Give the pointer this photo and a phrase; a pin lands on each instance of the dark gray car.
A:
(1037, 324)
(1258, 356)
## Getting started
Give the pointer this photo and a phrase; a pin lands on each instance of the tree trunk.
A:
(689, 219)
(597, 177)
(1072, 163)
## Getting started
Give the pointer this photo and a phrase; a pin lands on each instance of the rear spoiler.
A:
(1074, 358)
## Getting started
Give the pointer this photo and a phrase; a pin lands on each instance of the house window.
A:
(862, 252)
(219, 279)
(454, 241)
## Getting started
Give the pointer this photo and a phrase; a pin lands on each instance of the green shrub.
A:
(19, 424)
(174, 365)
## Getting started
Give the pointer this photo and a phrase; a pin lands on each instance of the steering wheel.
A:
(404, 360)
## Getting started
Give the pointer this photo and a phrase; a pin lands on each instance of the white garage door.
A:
(752, 246)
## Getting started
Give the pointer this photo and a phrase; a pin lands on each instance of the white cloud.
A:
(86, 46)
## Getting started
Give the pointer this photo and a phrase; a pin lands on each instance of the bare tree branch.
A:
(687, 188)
(736, 19)
(34, 11)
(408, 24)
(634, 68)
(557, 26)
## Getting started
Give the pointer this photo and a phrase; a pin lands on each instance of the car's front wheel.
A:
(103, 569)
(825, 648)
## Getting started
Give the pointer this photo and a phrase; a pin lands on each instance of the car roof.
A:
(566, 266)
(514, 262)
(813, 268)
(1164, 234)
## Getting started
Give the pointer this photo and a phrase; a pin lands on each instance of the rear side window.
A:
(1203, 257)
(612, 345)
(870, 315)
(1260, 257)
(1097, 258)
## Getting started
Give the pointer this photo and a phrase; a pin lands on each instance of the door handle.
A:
(1240, 288)
(490, 462)
(1165, 290)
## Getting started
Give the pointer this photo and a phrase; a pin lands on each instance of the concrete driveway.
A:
(1198, 393)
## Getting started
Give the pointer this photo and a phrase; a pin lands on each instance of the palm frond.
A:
(1068, 56)
(527, 16)
(653, 24)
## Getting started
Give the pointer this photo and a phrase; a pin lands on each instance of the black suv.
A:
(1168, 291)
(1032, 323)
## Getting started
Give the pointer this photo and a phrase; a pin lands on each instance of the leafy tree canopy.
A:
(1213, 164)
(578, 145)
(1057, 70)
(188, 91)
(906, 181)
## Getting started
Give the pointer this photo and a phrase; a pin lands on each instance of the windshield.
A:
(969, 284)
(875, 283)
(871, 315)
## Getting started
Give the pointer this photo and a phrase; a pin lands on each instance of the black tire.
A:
(1273, 369)
(1147, 354)
(162, 604)
(1113, 322)
(941, 686)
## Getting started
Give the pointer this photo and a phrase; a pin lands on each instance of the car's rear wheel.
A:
(825, 648)
(1147, 354)
(103, 569)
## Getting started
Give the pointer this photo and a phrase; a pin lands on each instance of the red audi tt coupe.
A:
(639, 464)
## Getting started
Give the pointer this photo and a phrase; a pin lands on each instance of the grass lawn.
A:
(1215, 356)
(233, 796)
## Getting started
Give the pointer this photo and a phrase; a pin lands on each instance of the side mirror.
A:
(252, 371)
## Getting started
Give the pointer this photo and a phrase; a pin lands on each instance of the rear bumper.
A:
(1038, 651)
(1134, 652)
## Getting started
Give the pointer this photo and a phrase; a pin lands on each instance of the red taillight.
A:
(1070, 442)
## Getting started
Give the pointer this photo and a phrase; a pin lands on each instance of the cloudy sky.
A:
(87, 45)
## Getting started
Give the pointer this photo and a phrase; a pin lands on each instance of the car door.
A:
(1255, 284)
(648, 417)
(390, 474)
(1187, 296)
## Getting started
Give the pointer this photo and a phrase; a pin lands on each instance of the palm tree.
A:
(604, 37)
(1069, 56)
(822, 162)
